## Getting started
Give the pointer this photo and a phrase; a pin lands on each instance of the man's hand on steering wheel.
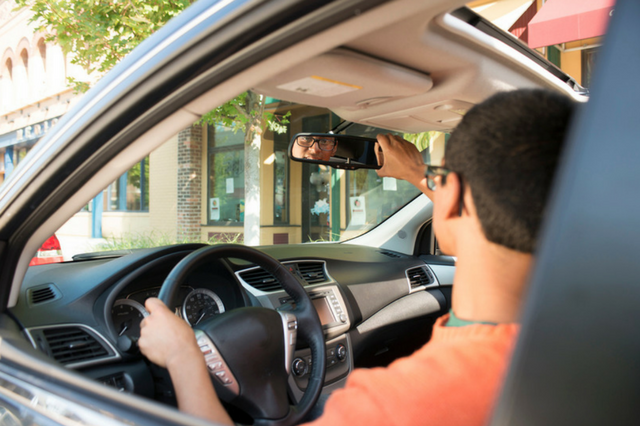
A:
(166, 339)
(169, 342)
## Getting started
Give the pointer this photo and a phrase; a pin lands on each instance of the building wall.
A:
(163, 189)
(33, 92)
(189, 185)
(78, 226)
(571, 63)
(125, 224)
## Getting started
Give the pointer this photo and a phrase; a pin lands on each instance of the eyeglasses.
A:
(431, 172)
(325, 144)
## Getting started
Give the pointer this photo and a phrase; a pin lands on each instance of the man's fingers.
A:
(379, 155)
(153, 304)
(384, 141)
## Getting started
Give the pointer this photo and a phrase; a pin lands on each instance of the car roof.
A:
(419, 72)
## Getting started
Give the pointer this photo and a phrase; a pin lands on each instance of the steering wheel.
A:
(249, 350)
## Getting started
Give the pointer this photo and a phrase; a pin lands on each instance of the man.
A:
(320, 148)
(488, 206)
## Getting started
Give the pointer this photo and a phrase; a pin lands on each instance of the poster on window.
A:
(358, 211)
(230, 186)
(214, 208)
(389, 184)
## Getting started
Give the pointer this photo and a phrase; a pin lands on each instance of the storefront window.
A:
(281, 179)
(130, 192)
(226, 175)
(589, 57)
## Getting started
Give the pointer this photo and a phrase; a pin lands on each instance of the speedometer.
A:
(201, 304)
(127, 315)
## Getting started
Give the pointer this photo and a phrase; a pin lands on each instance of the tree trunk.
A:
(253, 139)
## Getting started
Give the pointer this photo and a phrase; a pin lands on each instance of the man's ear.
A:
(450, 196)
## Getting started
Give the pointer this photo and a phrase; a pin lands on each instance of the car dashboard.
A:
(374, 305)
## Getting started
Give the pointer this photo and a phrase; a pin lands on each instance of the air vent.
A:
(260, 279)
(42, 294)
(312, 272)
(392, 254)
(69, 345)
(420, 277)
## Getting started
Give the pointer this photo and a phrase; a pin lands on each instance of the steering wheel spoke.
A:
(290, 328)
(217, 366)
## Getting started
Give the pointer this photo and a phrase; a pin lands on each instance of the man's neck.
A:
(489, 282)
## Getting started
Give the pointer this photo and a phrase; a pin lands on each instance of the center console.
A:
(335, 323)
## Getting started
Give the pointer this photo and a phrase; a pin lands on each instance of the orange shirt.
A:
(452, 380)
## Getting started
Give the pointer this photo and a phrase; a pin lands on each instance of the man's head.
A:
(505, 151)
(315, 147)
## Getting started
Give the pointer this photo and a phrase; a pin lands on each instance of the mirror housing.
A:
(346, 152)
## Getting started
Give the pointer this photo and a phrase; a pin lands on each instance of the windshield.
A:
(211, 183)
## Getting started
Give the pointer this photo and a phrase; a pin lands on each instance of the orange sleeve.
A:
(452, 380)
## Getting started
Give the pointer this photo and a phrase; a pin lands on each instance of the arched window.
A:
(38, 70)
(6, 85)
(21, 78)
(24, 56)
(42, 50)
(9, 68)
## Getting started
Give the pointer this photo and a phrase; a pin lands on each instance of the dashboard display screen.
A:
(324, 311)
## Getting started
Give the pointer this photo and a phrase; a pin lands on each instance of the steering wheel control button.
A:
(343, 318)
(206, 350)
(223, 378)
(290, 329)
(299, 367)
(216, 365)
(341, 352)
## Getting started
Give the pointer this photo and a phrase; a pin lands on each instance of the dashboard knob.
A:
(299, 367)
(128, 344)
(341, 352)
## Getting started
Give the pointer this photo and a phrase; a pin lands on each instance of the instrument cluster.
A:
(198, 304)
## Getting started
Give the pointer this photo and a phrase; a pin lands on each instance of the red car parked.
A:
(49, 252)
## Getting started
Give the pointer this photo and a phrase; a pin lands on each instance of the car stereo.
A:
(330, 307)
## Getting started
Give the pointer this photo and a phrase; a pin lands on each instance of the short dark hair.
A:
(507, 149)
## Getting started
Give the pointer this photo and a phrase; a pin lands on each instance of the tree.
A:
(99, 33)
(247, 113)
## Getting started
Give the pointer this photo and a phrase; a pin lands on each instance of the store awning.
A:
(503, 13)
(562, 21)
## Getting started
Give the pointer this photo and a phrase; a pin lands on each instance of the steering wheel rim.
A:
(309, 328)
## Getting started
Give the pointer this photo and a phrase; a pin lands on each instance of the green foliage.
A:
(277, 123)
(421, 140)
(99, 32)
(246, 113)
(156, 239)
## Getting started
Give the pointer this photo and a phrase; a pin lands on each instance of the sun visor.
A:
(347, 80)
(441, 116)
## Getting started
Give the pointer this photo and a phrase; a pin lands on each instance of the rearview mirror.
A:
(339, 151)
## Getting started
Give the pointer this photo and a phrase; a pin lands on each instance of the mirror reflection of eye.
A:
(326, 143)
